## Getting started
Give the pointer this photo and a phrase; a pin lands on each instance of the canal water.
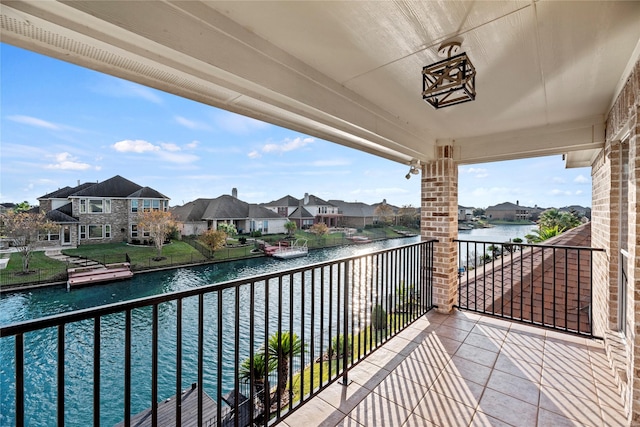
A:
(41, 347)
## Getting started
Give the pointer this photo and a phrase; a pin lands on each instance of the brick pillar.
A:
(439, 220)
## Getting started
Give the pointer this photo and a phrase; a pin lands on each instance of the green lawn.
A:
(41, 269)
(142, 257)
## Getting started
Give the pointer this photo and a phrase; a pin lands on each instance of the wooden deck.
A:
(189, 411)
(83, 276)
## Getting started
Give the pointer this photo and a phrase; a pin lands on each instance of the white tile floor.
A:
(464, 369)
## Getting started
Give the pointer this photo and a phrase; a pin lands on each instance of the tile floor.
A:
(464, 369)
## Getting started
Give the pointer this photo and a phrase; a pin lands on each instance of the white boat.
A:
(297, 249)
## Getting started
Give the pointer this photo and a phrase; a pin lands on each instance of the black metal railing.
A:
(254, 349)
(549, 286)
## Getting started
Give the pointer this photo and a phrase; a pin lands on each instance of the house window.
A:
(49, 237)
(165, 203)
(107, 231)
(265, 226)
(282, 210)
(146, 205)
(155, 204)
(252, 226)
(83, 231)
(83, 206)
(134, 206)
(95, 231)
(99, 206)
(134, 230)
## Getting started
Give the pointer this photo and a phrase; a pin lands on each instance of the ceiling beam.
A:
(562, 138)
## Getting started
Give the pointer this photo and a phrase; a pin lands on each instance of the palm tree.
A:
(282, 348)
(542, 234)
(291, 227)
(260, 372)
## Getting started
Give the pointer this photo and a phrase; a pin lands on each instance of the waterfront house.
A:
(554, 78)
(354, 214)
(508, 211)
(464, 213)
(100, 212)
(306, 211)
(200, 215)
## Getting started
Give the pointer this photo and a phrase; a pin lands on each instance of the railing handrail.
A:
(107, 309)
(533, 245)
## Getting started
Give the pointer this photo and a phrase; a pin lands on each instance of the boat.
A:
(297, 249)
(359, 239)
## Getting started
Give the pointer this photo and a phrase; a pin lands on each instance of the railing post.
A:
(345, 331)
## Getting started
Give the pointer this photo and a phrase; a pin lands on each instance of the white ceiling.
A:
(350, 71)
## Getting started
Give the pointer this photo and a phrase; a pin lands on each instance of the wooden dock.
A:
(189, 412)
(82, 276)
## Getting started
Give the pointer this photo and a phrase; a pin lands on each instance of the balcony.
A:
(468, 369)
(404, 363)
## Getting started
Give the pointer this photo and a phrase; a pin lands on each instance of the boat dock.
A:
(166, 412)
(82, 276)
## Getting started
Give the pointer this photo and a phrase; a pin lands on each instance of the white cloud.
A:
(477, 172)
(170, 147)
(33, 121)
(191, 124)
(166, 151)
(581, 179)
(558, 180)
(65, 161)
(173, 157)
(287, 145)
(254, 155)
(192, 145)
(135, 146)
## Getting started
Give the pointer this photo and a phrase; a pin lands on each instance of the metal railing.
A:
(549, 286)
(268, 342)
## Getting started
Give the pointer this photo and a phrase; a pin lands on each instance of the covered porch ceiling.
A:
(350, 71)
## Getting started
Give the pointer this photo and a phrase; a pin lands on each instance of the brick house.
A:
(102, 212)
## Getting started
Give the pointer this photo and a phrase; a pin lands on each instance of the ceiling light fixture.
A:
(450, 81)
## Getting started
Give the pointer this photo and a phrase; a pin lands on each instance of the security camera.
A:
(408, 175)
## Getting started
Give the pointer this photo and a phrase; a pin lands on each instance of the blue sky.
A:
(60, 124)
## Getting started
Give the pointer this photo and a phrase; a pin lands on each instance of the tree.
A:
(541, 234)
(282, 348)
(159, 225)
(408, 216)
(214, 239)
(319, 229)
(384, 212)
(563, 220)
(23, 228)
(22, 207)
(291, 227)
(228, 228)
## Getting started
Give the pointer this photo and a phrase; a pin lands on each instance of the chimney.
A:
(234, 193)
(306, 198)
(518, 202)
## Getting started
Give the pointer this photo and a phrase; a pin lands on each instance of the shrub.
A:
(379, 318)
(337, 345)
(242, 240)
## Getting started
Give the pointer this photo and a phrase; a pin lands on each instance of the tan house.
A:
(508, 212)
(554, 78)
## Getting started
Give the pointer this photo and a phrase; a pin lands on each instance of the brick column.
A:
(439, 220)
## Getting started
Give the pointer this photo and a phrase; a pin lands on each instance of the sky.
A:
(61, 124)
